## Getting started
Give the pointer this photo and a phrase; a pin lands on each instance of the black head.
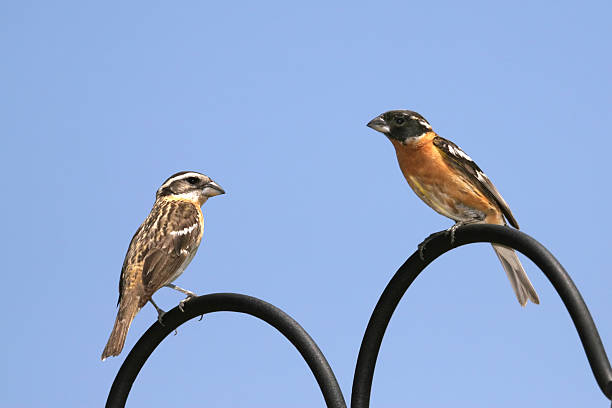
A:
(400, 125)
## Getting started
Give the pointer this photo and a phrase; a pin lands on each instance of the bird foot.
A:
(160, 316)
(160, 312)
(423, 244)
(181, 304)
(452, 230)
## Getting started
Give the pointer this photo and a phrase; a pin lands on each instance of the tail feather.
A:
(127, 311)
(519, 280)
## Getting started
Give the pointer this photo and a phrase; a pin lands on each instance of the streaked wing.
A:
(159, 267)
(170, 233)
(464, 163)
(174, 245)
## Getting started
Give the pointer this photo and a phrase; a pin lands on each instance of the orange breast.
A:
(439, 184)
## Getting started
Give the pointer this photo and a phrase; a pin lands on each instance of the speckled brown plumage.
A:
(161, 248)
(155, 254)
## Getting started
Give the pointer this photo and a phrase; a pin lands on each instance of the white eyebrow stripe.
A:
(423, 122)
(181, 177)
(185, 230)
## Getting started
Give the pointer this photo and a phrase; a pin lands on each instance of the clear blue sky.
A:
(101, 102)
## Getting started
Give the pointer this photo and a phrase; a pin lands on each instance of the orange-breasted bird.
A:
(161, 249)
(449, 181)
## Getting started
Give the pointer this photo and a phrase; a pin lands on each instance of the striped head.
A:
(189, 185)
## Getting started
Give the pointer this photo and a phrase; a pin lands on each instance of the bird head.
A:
(189, 185)
(401, 125)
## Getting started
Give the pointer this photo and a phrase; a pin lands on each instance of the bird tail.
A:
(519, 280)
(127, 311)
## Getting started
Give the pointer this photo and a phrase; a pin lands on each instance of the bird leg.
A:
(160, 312)
(189, 294)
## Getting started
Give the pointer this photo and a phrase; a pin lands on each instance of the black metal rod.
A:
(230, 302)
(407, 273)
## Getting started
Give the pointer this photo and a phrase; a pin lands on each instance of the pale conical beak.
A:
(379, 124)
(212, 189)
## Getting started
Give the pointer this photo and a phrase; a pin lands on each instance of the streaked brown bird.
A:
(161, 249)
(449, 181)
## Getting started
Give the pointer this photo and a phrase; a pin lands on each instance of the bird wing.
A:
(464, 163)
(170, 233)
(178, 241)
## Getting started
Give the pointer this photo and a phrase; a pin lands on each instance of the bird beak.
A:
(212, 189)
(379, 124)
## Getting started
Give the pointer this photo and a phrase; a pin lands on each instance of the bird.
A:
(161, 249)
(451, 183)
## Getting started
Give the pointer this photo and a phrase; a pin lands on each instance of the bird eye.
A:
(192, 180)
(399, 120)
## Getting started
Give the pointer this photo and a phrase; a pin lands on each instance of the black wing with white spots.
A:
(466, 165)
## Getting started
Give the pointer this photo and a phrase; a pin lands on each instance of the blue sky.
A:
(103, 101)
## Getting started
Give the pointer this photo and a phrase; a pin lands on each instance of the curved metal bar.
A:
(230, 302)
(407, 273)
